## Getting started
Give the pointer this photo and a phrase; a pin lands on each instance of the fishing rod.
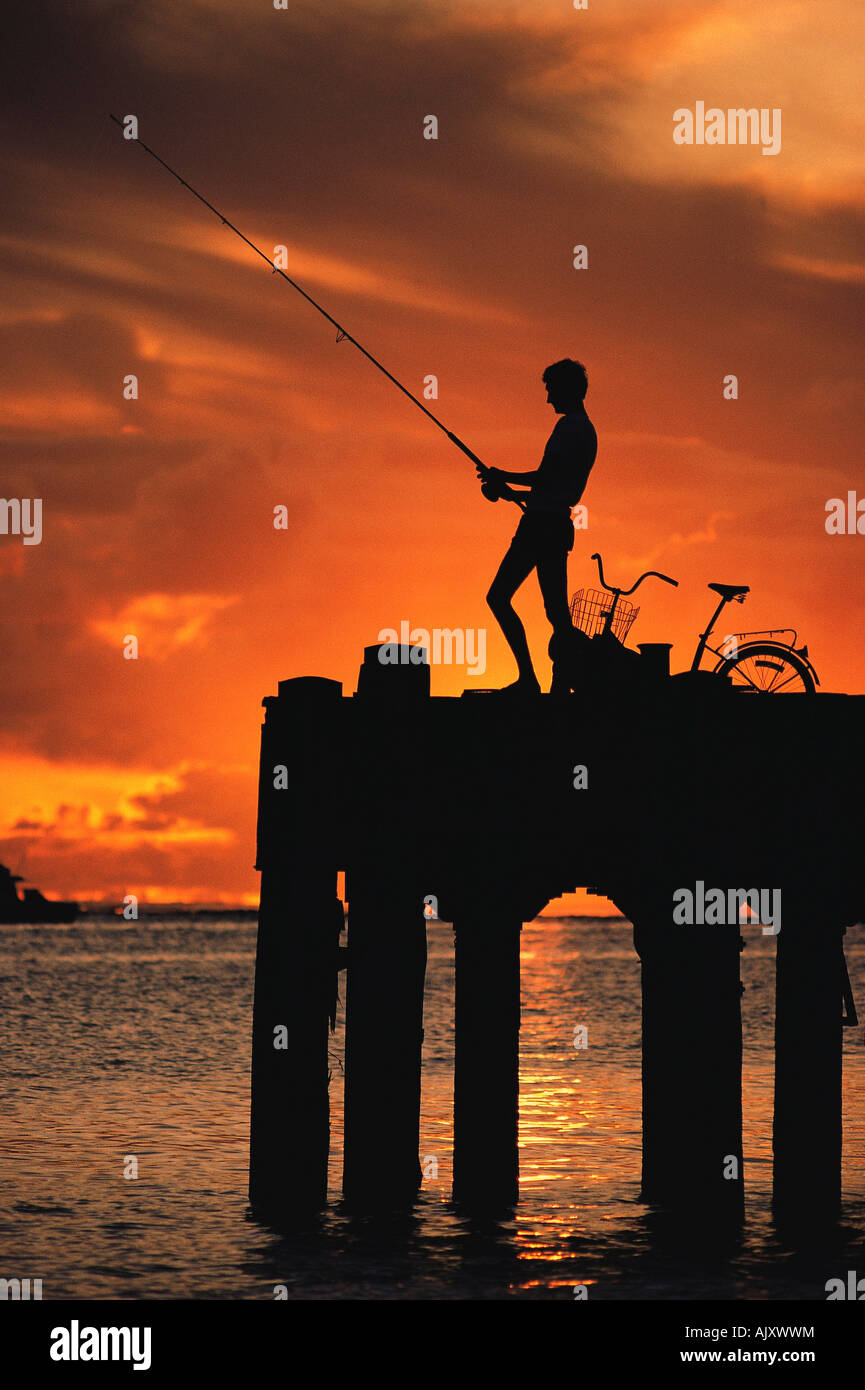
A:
(490, 488)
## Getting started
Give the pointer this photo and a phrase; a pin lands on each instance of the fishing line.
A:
(342, 333)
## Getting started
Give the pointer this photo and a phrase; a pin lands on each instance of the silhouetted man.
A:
(545, 535)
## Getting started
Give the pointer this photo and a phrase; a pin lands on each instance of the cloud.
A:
(191, 831)
(849, 272)
(449, 257)
(707, 534)
(162, 623)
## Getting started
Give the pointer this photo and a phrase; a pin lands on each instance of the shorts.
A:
(543, 533)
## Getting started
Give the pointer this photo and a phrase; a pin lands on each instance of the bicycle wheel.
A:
(768, 668)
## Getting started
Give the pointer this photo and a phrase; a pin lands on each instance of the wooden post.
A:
(298, 935)
(384, 1036)
(806, 1135)
(386, 942)
(487, 1058)
(692, 1067)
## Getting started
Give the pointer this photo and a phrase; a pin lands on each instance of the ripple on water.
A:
(141, 1047)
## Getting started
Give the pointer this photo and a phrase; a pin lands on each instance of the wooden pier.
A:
(473, 801)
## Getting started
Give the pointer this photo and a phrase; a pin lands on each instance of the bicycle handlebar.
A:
(623, 593)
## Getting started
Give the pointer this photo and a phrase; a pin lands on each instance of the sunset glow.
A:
(450, 257)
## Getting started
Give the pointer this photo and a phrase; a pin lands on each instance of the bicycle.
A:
(767, 667)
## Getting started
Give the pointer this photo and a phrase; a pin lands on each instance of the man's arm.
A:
(509, 494)
(525, 478)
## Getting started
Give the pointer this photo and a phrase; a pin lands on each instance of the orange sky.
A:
(451, 257)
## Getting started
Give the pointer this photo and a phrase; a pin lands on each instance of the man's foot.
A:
(524, 686)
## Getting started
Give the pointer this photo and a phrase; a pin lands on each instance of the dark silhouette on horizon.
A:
(545, 535)
(33, 907)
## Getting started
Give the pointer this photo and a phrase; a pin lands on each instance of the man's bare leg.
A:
(515, 568)
(553, 581)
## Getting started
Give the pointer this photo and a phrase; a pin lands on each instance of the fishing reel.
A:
(491, 487)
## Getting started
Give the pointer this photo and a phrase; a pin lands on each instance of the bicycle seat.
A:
(729, 591)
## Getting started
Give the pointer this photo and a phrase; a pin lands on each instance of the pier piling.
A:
(386, 935)
(384, 1036)
(296, 954)
(486, 1057)
(806, 1136)
(691, 1068)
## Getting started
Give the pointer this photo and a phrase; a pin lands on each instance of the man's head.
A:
(566, 383)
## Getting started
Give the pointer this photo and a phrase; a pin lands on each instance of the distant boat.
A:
(33, 907)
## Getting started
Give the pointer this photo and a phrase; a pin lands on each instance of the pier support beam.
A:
(487, 1058)
(385, 887)
(294, 964)
(384, 1036)
(806, 1134)
(296, 955)
(692, 1067)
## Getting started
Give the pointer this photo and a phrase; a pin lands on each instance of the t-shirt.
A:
(565, 467)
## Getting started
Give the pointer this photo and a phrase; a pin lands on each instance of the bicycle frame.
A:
(772, 635)
(703, 640)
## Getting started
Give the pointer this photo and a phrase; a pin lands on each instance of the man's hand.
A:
(493, 486)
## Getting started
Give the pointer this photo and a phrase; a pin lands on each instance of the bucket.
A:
(656, 657)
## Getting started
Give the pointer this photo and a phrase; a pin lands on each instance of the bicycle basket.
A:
(589, 609)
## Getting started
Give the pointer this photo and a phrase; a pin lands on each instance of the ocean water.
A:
(122, 1040)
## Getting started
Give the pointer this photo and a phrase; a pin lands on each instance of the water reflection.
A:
(137, 1042)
